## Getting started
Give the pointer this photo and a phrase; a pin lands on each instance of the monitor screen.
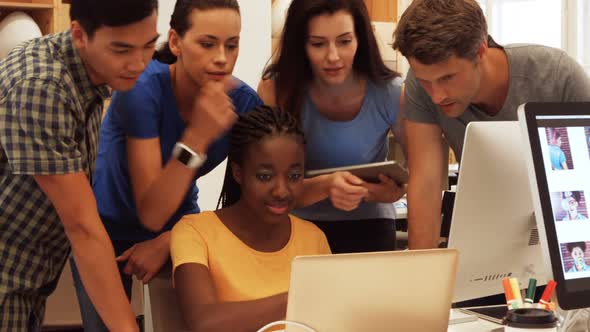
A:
(559, 136)
(565, 144)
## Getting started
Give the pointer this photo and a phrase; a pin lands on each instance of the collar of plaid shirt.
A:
(72, 59)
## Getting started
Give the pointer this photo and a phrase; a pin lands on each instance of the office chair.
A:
(165, 311)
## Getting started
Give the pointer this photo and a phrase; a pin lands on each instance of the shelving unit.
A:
(382, 10)
(25, 5)
(45, 12)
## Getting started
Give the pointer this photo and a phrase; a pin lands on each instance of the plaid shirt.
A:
(49, 123)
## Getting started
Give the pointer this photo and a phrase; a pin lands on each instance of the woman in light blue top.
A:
(334, 79)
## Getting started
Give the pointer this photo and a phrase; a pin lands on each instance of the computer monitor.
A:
(492, 224)
(558, 156)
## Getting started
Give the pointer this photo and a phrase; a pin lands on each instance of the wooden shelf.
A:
(46, 13)
(25, 5)
(382, 10)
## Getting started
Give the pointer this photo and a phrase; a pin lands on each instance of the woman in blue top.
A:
(330, 74)
(158, 138)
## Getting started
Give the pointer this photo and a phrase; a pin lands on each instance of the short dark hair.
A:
(291, 71)
(181, 22)
(570, 246)
(93, 14)
(431, 31)
(251, 127)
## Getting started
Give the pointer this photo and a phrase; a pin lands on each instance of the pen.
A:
(516, 293)
(546, 297)
(530, 292)
(510, 302)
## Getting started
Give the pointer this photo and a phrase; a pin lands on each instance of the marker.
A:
(510, 302)
(546, 297)
(530, 293)
(516, 293)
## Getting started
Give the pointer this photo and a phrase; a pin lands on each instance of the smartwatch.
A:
(187, 156)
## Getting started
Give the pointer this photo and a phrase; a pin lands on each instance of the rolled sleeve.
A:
(418, 106)
(38, 129)
(187, 245)
(141, 110)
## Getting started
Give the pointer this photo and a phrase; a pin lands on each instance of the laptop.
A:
(381, 291)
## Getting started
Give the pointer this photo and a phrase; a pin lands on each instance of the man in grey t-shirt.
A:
(458, 75)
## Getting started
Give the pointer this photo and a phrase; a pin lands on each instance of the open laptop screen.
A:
(559, 136)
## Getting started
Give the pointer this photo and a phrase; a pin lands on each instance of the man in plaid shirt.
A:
(51, 97)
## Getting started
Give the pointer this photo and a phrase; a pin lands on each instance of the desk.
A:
(479, 325)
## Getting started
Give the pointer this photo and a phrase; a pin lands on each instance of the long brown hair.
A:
(291, 71)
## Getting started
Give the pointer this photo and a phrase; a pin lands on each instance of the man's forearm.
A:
(72, 197)
(95, 260)
(424, 218)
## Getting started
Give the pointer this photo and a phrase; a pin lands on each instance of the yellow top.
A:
(239, 272)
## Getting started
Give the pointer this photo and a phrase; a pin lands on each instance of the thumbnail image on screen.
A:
(574, 256)
(559, 148)
(569, 205)
(587, 132)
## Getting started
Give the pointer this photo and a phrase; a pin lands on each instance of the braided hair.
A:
(251, 127)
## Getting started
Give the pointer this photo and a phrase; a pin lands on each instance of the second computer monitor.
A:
(493, 225)
(559, 160)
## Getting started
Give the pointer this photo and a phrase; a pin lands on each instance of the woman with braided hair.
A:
(232, 266)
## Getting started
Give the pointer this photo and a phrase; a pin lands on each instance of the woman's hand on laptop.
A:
(386, 191)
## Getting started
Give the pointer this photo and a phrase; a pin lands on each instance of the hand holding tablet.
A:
(369, 172)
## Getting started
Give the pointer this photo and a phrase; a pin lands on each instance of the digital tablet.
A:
(492, 313)
(369, 172)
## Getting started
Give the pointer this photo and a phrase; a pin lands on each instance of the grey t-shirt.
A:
(537, 74)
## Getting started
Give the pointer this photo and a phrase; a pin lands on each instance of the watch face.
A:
(184, 156)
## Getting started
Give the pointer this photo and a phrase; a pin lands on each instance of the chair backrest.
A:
(165, 311)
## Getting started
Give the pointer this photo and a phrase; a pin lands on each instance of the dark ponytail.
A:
(180, 21)
(164, 54)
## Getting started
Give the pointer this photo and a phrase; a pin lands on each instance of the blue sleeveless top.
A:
(359, 141)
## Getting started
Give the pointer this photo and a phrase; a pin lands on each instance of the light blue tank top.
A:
(359, 141)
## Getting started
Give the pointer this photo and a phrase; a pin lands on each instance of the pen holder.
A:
(530, 319)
